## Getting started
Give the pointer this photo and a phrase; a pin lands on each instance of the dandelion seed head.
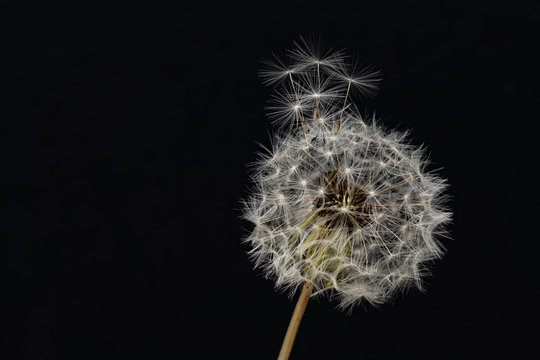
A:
(357, 215)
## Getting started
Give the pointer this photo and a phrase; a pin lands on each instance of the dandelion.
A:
(339, 205)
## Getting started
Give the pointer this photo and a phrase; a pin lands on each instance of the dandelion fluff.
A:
(337, 202)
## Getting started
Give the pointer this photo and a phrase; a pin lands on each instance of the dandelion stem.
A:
(343, 109)
(296, 318)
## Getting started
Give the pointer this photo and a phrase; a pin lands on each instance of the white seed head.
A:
(357, 214)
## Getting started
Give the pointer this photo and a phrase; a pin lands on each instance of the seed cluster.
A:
(339, 202)
(344, 202)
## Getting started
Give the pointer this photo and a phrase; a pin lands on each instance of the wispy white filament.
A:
(337, 201)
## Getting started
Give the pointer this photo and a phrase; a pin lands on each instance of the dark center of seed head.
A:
(344, 204)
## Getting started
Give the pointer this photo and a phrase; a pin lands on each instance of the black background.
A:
(125, 134)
